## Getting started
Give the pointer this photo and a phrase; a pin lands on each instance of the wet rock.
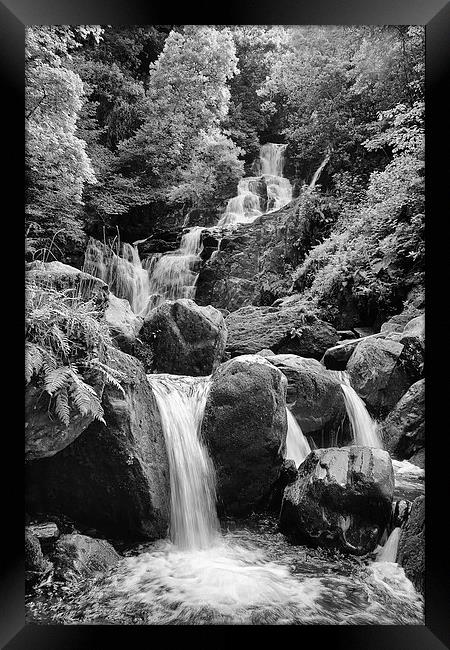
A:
(245, 427)
(341, 499)
(381, 371)
(288, 474)
(79, 556)
(288, 330)
(418, 458)
(185, 339)
(315, 397)
(125, 326)
(336, 357)
(404, 428)
(44, 434)
(411, 547)
(113, 478)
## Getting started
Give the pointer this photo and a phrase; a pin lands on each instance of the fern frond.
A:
(111, 375)
(34, 358)
(62, 408)
(57, 379)
(84, 398)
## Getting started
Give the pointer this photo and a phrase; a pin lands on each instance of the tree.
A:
(57, 165)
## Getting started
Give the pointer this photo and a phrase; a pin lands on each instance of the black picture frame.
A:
(435, 15)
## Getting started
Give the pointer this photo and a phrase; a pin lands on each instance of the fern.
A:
(85, 399)
(110, 375)
(62, 408)
(57, 379)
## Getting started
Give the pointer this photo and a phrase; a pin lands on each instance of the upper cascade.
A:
(257, 195)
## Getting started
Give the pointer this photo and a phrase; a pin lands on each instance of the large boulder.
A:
(341, 499)
(336, 357)
(315, 397)
(63, 277)
(113, 478)
(245, 427)
(411, 547)
(404, 428)
(185, 339)
(282, 329)
(46, 435)
(78, 556)
(381, 371)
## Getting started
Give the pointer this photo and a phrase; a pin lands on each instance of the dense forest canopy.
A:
(121, 120)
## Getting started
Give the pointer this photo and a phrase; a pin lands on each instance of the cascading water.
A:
(365, 429)
(146, 285)
(124, 274)
(174, 275)
(319, 170)
(181, 401)
(297, 447)
(246, 206)
(388, 553)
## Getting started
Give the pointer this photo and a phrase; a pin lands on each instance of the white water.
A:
(246, 206)
(146, 285)
(124, 274)
(318, 171)
(388, 553)
(174, 275)
(297, 447)
(181, 402)
(365, 429)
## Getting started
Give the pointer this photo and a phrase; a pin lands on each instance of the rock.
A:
(113, 478)
(381, 371)
(400, 513)
(185, 339)
(47, 533)
(404, 428)
(418, 458)
(411, 547)
(245, 427)
(79, 556)
(74, 282)
(341, 499)
(125, 327)
(336, 357)
(397, 323)
(288, 330)
(35, 564)
(315, 397)
(121, 320)
(416, 328)
(45, 435)
(266, 353)
(288, 474)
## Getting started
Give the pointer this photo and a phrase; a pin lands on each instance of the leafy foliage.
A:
(65, 351)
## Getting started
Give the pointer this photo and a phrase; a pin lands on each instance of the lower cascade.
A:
(246, 573)
(297, 447)
(365, 429)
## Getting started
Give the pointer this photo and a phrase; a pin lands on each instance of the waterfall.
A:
(174, 275)
(124, 274)
(181, 401)
(246, 206)
(365, 429)
(388, 553)
(297, 447)
(146, 285)
(319, 170)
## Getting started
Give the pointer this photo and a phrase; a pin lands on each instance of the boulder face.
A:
(78, 556)
(381, 371)
(124, 327)
(411, 546)
(244, 427)
(315, 398)
(404, 428)
(45, 436)
(185, 339)
(341, 499)
(113, 478)
(282, 329)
